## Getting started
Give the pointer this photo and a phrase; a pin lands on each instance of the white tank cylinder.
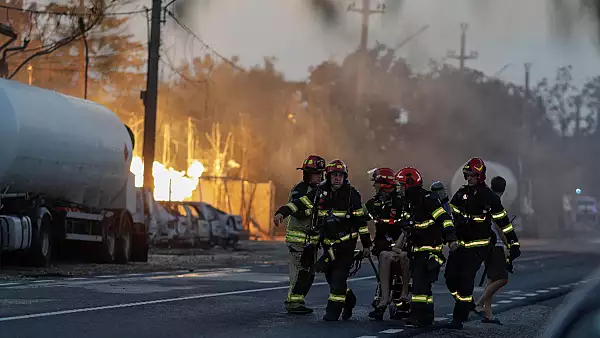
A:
(61, 146)
(493, 169)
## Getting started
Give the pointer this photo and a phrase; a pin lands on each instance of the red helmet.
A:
(384, 176)
(336, 166)
(313, 163)
(409, 177)
(475, 166)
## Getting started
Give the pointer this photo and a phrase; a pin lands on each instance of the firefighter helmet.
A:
(475, 166)
(384, 176)
(336, 166)
(409, 177)
(313, 163)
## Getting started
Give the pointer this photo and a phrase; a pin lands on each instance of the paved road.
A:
(244, 301)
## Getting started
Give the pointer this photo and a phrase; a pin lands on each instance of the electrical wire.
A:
(67, 13)
(204, 44)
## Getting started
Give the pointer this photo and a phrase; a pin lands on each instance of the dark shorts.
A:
(496, 265)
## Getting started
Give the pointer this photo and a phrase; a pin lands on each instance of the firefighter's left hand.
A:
(366, 252)
(278, 219)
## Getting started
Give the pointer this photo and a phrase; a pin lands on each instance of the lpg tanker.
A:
(64, 176)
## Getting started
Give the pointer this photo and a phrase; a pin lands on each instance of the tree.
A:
(55, 27)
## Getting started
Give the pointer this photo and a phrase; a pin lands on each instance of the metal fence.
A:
(253, 201)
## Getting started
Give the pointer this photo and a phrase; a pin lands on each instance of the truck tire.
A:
(41, 244)
(109, 243)
(139, 249)
(124, 238)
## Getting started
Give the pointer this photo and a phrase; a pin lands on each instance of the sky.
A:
(503, 32)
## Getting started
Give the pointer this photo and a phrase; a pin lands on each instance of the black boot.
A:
(401, 309)
(299, 310)
(331, 317)
(349, 304)
(378, 313)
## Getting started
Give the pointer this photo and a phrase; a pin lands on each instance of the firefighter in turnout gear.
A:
(340, 220)
(432, 228)
(474, 207)
(301, 241)
(385, 208)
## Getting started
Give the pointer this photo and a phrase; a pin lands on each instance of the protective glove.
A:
(515, 252)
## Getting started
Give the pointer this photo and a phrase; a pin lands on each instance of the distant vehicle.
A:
(581, 213)
(64, 177)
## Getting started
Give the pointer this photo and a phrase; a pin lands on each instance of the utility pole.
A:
(150, 96)
(365, 11)
(463, 48)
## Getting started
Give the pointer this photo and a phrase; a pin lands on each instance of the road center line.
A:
(159, 301)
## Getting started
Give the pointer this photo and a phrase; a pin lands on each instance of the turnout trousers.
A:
(301, 278)
(460, 274)
(425, 269)
(336, 273)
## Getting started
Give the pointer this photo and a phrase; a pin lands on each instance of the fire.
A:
(169, 184)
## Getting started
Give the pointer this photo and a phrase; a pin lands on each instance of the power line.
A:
(66, 13)
(204, 44)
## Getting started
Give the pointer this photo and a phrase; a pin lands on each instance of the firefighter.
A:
(474, 207)
(385, 208)
(301, 241)
(341, 220)
(432, 227)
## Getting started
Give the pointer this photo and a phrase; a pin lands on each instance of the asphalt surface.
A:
(246, 301)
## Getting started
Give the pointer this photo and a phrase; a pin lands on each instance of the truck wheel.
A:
(109, 243)
(41, 246)
(123, 243)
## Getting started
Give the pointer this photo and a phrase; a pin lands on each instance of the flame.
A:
(168, 181)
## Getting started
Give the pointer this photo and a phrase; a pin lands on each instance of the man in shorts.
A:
(496, 264)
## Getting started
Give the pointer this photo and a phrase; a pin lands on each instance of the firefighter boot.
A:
(349, 304)
(378, 313)
(402, 309)
(333, 311)
(298, 309)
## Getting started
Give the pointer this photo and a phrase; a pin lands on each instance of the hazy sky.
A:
(501, 31)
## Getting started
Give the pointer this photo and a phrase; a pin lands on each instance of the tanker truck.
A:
(65, 178)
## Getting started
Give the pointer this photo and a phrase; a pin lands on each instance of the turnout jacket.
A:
(387, 213)
(432, 225)
(474, 208)
(340, 214)
(298, 230)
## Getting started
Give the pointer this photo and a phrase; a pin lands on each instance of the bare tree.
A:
(56, 26)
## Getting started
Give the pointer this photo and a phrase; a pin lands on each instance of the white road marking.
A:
(8, 284)
(77, 278)
(159, 301)
(367, 337)
(542, 291)
(494, 305)
(440, 319)
(518, 298)
(530, 294)
(505, 301)
(392, 331)
(43, 281)
(108, 276)
(450, 314)
(512, 292)
(554, 288)
(134, 274)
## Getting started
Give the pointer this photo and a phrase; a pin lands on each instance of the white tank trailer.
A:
(64, 176)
